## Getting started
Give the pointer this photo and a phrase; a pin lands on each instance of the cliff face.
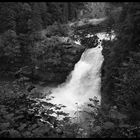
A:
(58, 66)
(54, 63)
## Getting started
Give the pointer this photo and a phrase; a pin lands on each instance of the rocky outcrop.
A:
(55, 64)
(59, 68)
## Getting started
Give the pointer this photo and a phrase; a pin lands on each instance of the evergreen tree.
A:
(120, 84)
(7, 16)
(36, 17)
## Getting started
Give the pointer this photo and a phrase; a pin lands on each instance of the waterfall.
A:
(85, 82)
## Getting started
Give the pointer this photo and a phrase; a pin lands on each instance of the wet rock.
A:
(35, 93)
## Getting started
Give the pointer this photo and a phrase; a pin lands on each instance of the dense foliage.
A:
(25, 115)
(35, 39)
(121, 67)
(24, 24)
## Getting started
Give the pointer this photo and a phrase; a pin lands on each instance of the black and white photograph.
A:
(69, 69)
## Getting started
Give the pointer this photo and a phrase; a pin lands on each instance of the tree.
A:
(120, 83)
(23, 16)
(7, 16)
(36, 17)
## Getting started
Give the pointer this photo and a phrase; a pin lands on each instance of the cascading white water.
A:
(85, 81)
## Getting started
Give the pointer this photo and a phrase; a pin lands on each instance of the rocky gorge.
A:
(54, 57)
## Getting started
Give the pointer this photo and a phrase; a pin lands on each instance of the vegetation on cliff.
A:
(120, 71)
(32, 45)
